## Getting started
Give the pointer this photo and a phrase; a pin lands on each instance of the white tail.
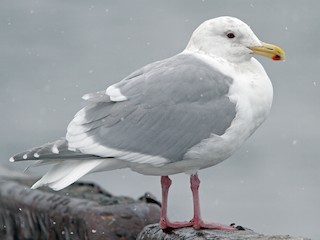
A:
(65, 173)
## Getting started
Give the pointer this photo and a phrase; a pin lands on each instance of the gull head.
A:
(230, 39)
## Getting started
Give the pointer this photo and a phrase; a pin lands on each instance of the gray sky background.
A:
(53, 52)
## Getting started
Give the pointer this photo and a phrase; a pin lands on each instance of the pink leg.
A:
(164, 221)
(197, 220)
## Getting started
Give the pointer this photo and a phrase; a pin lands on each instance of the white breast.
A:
(252, 93)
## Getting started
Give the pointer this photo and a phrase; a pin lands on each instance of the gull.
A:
(178, 115)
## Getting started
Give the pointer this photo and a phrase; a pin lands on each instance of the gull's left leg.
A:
(197, 220)
(164, 221)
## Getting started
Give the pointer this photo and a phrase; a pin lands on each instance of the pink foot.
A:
(196, 222)
(200, 224)
(165, 223)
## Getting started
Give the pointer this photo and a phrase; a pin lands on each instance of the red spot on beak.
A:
(276, 57)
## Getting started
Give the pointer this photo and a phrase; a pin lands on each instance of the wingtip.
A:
(55, 149)
(36, 185)
(86, 97)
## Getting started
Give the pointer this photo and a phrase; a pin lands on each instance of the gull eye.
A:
(230, 35)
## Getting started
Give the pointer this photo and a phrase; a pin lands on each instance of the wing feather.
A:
(169, 107)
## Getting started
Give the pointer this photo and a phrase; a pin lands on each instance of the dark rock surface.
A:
(81, 211)
(153, 232)
(86, 211)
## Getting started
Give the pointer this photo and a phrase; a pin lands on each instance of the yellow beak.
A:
(269, 50)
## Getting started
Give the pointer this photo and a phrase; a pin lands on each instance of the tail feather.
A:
(69, 165)
(58, 150)
(65, 173)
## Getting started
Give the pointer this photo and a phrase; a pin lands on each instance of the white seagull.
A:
(178, 115)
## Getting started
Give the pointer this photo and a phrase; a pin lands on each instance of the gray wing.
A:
(164, 109)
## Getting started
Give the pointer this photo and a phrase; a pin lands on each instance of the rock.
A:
(153, 232)
(81, 211)
(86, 211)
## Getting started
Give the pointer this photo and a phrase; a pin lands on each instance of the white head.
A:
(231, 39)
